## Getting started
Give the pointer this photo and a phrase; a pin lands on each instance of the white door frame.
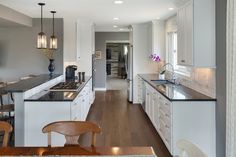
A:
(113, 41)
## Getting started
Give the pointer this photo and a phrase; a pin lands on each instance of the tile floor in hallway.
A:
(122, 123)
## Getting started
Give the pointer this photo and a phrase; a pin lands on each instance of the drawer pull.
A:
(167, 115)
(167, 126)
(183, 61)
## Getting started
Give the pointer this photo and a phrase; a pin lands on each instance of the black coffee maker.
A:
(70, 72)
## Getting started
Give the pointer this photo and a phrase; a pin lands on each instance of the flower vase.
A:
(51, 66)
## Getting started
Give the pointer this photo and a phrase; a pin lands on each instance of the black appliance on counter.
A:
(70, 72)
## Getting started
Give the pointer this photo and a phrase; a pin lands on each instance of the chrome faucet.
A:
(173, 75)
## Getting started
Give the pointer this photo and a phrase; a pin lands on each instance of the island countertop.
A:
(175, 92)
(48, 95)
(30, 83)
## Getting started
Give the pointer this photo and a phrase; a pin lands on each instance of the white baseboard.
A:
(100, 89)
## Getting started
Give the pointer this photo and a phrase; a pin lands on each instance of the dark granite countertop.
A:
(59, 95)
(175, 92)
(30, 83)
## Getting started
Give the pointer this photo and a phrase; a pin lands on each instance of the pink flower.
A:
(155, 57)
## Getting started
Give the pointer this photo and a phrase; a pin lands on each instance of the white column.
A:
(231, 80)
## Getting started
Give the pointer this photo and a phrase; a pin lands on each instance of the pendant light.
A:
(53, 38)
(41, 39)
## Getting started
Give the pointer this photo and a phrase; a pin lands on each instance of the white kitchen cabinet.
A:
(175, 120)
(196, 33)
(85, 45)
(85, 38)
(157, 38)
(140, 90)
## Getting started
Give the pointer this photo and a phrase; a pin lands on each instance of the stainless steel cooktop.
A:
(66, 86)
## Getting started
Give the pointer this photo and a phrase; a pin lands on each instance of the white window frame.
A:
(181, 70)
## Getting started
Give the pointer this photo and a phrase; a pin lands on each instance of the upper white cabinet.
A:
(196, 33)
(85, 38)
(157, 38)
(85, 45)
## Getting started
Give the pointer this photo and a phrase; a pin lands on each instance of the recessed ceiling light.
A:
(171, 8)
(115, 18)
(118, 2)
(121, 29)
(158, 18)
(115, 26)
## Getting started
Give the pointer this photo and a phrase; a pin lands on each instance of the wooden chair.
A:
(186, 147)
(72, 130)
(7, 129)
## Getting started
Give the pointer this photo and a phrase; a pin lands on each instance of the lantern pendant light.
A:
(53, 38)
(41, 39)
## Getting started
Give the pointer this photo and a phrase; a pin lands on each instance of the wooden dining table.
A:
(77, 151)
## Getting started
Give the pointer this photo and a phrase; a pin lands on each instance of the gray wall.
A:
(220, 77)
(100, 45)
(18, 54)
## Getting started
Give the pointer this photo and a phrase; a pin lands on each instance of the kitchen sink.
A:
(161, 82)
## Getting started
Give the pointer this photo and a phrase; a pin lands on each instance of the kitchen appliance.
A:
(70, 72)
(128, 49)
(66, 86)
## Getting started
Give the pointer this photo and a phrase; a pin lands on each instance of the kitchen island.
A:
(23, 90)
(71, 103)
(36, 105)
(178, 112)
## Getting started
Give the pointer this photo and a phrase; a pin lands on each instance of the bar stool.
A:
(6, 110)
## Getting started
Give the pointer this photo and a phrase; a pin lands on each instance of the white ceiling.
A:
(101, 12)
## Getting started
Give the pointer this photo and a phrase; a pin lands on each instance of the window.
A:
(172, 55)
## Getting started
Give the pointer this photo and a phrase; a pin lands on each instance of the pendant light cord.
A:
(53, 24)
(41, 18)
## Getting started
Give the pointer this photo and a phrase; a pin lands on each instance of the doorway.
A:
(116, 65)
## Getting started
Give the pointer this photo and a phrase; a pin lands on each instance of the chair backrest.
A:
(2, 84)
(72, 130)
(7, 129)
(190, 149)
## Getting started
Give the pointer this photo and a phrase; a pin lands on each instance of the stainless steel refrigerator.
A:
(129, 70)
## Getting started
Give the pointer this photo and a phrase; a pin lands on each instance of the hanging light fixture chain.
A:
(53, 24)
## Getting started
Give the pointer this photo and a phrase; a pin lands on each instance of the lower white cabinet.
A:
(175, 120)
(40, 113)
(140, 90)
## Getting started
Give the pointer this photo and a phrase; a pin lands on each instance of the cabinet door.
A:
(155, 111)
(147, 101)
(189, 34)
(181, 37)
(185, 35)
(78, 41)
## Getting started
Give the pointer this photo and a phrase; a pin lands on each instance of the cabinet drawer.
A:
(165, 135)
(165, 117)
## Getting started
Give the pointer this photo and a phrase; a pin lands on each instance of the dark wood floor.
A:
(122, 123)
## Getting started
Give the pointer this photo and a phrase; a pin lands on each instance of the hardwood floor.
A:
(122, 123)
